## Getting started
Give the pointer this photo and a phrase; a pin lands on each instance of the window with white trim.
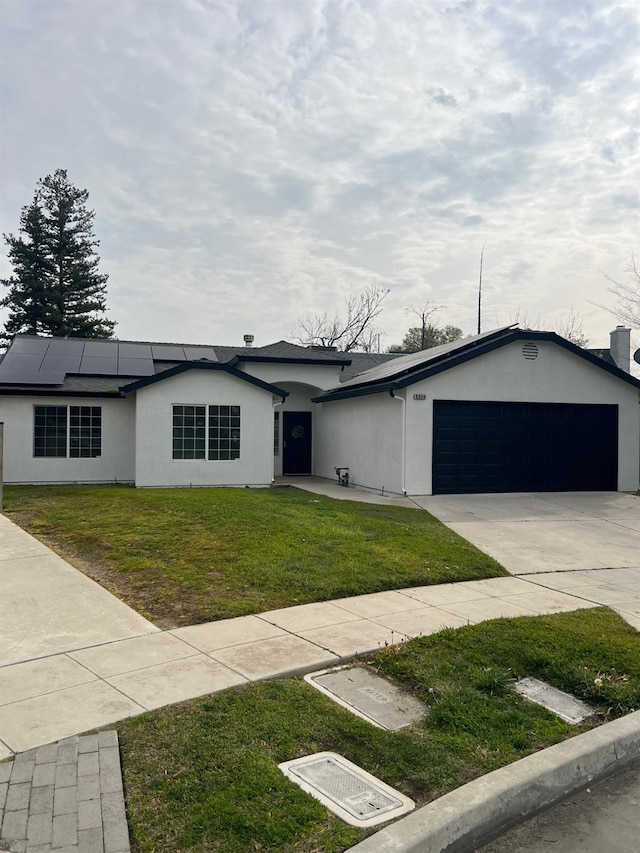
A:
(61, 431)
(211, 432)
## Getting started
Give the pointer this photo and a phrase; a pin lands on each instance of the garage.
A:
(486, 446)
(511, 410)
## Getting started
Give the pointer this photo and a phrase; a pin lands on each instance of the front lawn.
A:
(203, 776)
(182, 556)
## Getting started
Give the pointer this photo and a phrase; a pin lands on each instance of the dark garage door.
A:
(523, 447)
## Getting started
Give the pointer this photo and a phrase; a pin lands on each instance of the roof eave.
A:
(459, 357)
(57, 392)
(273, 359)
(362, 391)
(202, 365)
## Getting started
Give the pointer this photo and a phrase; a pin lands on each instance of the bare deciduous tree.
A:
(350, 331)
(570, 327)
(628, 294)
(426, 324)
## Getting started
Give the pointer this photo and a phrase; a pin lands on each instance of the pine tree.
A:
(56, 288)
(26, 297)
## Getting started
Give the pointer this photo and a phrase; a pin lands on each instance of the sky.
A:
(253, 162)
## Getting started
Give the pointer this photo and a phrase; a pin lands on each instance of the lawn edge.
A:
(485, 808)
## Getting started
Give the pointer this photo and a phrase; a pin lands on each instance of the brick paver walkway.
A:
(65, 797)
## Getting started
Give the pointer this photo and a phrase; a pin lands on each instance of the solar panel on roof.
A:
(99, 365)
(406, 363)
(167, 352)
(63, 346)
(27, 362)
(67, 363)
(134, 351)
(101, 349)
(135, 367)
(29, 345)
(196, 353)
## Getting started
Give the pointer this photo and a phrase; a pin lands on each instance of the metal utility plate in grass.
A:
(354, 795)
(564, 705)
(369, 696)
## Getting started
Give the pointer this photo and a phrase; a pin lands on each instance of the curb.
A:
(483, 809)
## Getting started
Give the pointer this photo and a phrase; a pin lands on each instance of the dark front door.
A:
(296, 443)
(524, 447)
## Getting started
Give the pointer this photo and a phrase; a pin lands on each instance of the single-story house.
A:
(504, 411)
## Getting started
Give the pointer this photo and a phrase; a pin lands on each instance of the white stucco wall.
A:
(316, 375)
(115, 464)
(363, 434)
(154, 430)
(555, 376)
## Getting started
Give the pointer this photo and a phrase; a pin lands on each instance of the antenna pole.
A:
(480, 288)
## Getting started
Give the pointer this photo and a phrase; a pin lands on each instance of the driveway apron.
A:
(546, 532)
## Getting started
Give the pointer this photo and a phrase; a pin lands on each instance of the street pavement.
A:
(604, 818)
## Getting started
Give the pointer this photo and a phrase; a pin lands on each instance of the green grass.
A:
(203, 776)
(182, 556)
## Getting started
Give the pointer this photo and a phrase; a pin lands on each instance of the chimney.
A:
(248, 340)
(621, 348)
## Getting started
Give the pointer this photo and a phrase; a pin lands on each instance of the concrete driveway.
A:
(546, 532)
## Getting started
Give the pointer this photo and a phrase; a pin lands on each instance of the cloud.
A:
(250, 162)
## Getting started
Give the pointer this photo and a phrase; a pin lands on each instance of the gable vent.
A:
(530, 351)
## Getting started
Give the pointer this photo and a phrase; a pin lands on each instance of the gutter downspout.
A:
(404, 439)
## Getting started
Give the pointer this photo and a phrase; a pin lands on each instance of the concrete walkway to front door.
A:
(74, 658)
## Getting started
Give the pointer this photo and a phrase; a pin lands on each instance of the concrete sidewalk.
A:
(73, 657)
(48, 606)
(63, 694)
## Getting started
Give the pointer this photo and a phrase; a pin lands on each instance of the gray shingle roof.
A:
(604, 354)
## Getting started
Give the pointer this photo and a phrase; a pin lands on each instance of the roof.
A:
(412, 368)
(407, 363)
(79, 365)
(283, 351)
(203, 365)
(34, 360)
(361, 361)
(604, 354)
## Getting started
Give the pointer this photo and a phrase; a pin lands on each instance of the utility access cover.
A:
(368, 695)
(564, 705)
(354, 795)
